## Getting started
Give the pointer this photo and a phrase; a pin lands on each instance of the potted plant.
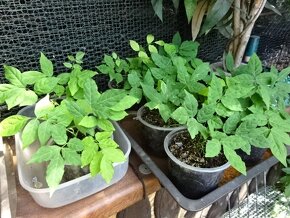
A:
(234, 19)
(171, 68)
(72, 128)
(244, 110)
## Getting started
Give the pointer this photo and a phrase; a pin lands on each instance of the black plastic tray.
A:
(156, 165)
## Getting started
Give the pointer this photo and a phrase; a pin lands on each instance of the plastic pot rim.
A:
(139, 118)
(67, 183)
(197, 169)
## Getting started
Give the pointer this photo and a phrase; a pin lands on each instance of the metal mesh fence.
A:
(59, 28)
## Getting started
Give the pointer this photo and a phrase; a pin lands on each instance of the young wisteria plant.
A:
(73, 128)
(244, 110)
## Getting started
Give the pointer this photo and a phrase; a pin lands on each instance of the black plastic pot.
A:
(192, 182)
(255, 157)
(154, 135)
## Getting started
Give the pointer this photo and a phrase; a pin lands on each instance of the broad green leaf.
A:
(73, 85)
(117, 115)
(159, 73)
(63, 78)
(14, 76)
(192, 126)
(6, 87)
(134, 79)
(217, 122)
(213, 148)
(75, 144)
(165, 111)
(234, 142)
(46, 65)
(230, 63)
(283, 74)
(95, 165)
(105, 125)
(114, 155)
(170, 49)
(216, 14)
(222, 111)
(30, 77)
(161, 61)
(182, 73)
(60, 115)
(91, 93)
(88, 122)
(45, 85)
(125, 103)
(80, 55)
(149, 38)
(157, 6)
(256, 137)
(108, 143)
(100, 136)
(109, 61)
(75, 110)
(200, 72)
(84, 75)
(176, 40)
(109, 98)
(13, 124)
(215, 90)
(148, 79)
(260, 119)
(106, 169)
(231, 103)
(234, 159)
(180, 115)
(58, 133)
(152, 49)
(240, 86)
(188, 49)
(44, 132)
(71, 157)
(87, 155)
(59, 90)
(190, 6)
(277, 147)
(246, 126)
(20, 96)
(276, 120)
(29, 134)
(45, 153)
(54, 172)
(89, 142)
(206, 113)
(137, 93)
(190, 104)
(264, 92)
(134, 45)
(231, 123)
(67, 65)
(43, 107)
(255, 65)
(151, 94)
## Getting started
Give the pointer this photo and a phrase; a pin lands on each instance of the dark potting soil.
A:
(153, 117)
(192, 151)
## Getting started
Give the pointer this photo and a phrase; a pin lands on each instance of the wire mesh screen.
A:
(59, 28)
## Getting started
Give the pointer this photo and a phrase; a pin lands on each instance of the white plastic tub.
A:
(70, 191)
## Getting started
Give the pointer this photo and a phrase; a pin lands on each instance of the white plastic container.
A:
(31, 175)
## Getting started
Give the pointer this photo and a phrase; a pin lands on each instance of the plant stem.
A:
(258, 6)
(237, 18)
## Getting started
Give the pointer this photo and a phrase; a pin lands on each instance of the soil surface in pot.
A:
(192, 151)
(153, 117)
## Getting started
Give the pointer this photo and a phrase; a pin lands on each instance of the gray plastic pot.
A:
(192, 182)
(153, 135)
(32, 176)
